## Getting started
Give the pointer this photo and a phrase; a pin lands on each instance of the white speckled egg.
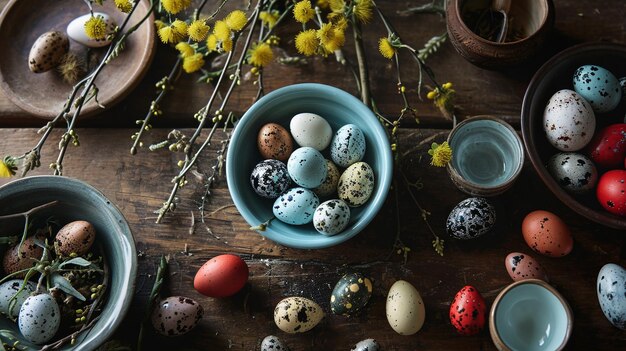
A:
(297, 315)
(331, 217)
(568, 120)
(39, 318)
(273, 343)
(309, 129)
(76, 30)
(356, 184)
(307, 167)
(270, 178)
(612, 294)
(348, 146)
(598, 86)
(296, 206)
(329, 186)
(366, 345)
(8, 290)
(471, 218)
(405, 308)
(176, 315)
(574, 172)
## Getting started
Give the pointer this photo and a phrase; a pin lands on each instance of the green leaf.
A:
(79, 261)
(61, 283)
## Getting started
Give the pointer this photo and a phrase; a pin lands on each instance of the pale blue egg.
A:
(296, 206)
(598, 86)
(348, 146)
(611, 289)
(307, 167)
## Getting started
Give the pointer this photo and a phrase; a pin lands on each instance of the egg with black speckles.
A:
(356, 184)
(547, 234)
(176, 315)
(39, 318)
(29, 253)
(351, 294)
(574, 172)
(468, 311)
(611, 291)
(307, 167)
(622, 83)
(331, 217)
(76, 237)
(348, 146)
(274, 142)
(471, 218)
(329, 186)
(296, 206)
(405, 308)
(273, 343)
(48, 51)
(270, 178)
(598, 86)
(297, 315)
(309, 129)
(366, 345)
(568, 121)
(522, 266)
(13, 296)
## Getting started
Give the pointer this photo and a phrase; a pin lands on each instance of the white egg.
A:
(12, 297)
(331, 217)
(76, 30)
(39, 318)
(273, 343)
(405, 308)
(366, 345)
(568, 120)
(574, 172)
(309, 129)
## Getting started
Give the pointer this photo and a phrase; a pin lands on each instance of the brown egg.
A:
(274, 142)
(75, 237)
(521, 266)
(176, 315)
(547, 234)
(47, 51)
(29, 253)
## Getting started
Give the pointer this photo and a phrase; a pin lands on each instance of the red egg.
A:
(611, 191)
(547, 234)
(468, 311)
(608, 147)
(221, 276)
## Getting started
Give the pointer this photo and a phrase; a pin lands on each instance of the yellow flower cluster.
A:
(361, 9)
(325, 40)
(441, 154)
(385, 48)
(269, 18)
(443, 98)
(185, 49)
(260, 55)
(198, 30)
(96, 28)
(193, 63)
(173, 33)
(175, 6)
(124, 5)
(303, 12)
(236, 20)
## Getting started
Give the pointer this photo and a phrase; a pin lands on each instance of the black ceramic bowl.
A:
(554, 75)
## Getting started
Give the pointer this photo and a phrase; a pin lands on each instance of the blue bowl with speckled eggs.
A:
(338, 108)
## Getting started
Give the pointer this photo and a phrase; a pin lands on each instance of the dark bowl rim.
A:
(604, 218)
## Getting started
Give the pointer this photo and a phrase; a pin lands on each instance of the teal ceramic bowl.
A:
(338, 108)
(530, 315)
(80, 201)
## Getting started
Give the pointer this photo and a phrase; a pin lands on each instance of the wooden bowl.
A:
(554, 75)
(44, 94)
(532, 19)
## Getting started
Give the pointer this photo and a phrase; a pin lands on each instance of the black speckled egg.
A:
(273, 343)
(270, 178)
(350, 294)
(471, 218)
(176, 315)
(366, 345)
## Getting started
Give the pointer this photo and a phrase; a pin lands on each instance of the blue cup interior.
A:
(338, 108)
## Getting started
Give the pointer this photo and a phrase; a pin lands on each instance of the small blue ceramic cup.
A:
(487, 156)
(530, 315)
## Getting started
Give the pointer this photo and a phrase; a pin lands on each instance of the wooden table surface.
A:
(139, 184)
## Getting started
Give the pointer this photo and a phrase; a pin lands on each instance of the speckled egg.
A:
(329, 186)
(468, 311)
(270, 178)
(598, 86)
(307, 167)
(405, 308)
(366, 345)
(622, 83)
(331, 217)
(273, 343)
(568, 120)
(297, 315)
(471, 218)
(29, 253)
(76, 30)
(547, 234)
(176, 315)
(612, 294)
(356, 184)
(75, 237)
(351, 294)
(574, 172)
(309, 129)
(274, 142)
(47, 51)
(296, 206)
(348, 146)
(521, 266)
(39, 318)
(10, 290)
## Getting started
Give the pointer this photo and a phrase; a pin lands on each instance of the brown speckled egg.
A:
(29, 253)
(75, 237)
(521, 266)
(547, 234)
(274, 142)
(176, 315)
(47, 51)
(297, 315)
(329, 186)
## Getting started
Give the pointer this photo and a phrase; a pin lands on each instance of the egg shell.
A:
(309, 129)
(47, 51)
(76, 30)
(75, 237)
(598, 86)
(274, 142)
(297, 315)
(307, 167)
(611, 291)
(547, 234)
(611, 191)
(405, 308)
(176, 315)
(11, 290)
(221, 276)
(366, 345)
(574, 172)
(296, 206)
(348, 146)
(331, 217)
(622, 83)
(356, 184)
(273, 343)
(270, 178)
(350, 294)
(608, 146)
(471, 218)
(29, 253)
(521, 266)
(569, 121)
(329, 186)
(39, 318)
(468, 311)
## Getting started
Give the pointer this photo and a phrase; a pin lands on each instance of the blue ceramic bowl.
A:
(530, 315)
(80, 201)
(338, 108)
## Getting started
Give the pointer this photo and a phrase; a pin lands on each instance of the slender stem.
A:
(362, 62)
(31, 211)
(152, 299)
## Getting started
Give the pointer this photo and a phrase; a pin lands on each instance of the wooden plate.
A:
(44, 94)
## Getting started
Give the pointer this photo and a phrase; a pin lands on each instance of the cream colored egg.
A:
(405, 308)
(356, 184)
(76, 30)
(309, 129)
(297, 315)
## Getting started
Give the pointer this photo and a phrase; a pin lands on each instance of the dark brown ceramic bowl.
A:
(532, 19)
(554, 75)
